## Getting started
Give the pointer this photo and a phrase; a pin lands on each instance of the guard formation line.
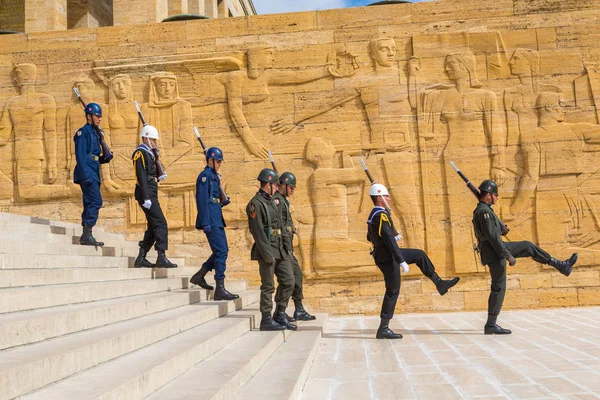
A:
(272, 228)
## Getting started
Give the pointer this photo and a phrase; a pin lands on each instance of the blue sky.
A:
(280, 6)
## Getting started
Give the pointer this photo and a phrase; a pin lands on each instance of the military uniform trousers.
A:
(157, 231)
(297, 293)
(92, 201)
(498, 271)
(391, 276)
(282, 268)
(217, 241)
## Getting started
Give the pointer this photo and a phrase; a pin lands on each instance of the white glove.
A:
(404, 266)
(398, 237)
(147, 204)
(162, 177)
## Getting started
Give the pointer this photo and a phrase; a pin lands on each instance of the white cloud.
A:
(281, 6)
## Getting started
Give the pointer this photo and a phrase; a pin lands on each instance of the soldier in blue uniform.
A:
(88, 154)
(146, 194)
(209, 201)
(389, 258)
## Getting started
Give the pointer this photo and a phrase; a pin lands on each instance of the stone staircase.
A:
(78, 322)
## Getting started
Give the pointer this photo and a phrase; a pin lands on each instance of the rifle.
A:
(160, 170)
(106, 153)
(387, 206)
(503, 228)
(222, 195)
(273, 162)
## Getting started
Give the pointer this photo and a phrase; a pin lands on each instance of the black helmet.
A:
(214, 152)
(267, 175)
(93, 109)
(488, 186)
(288, 178)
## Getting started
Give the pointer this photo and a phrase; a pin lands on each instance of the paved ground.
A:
(552, 354)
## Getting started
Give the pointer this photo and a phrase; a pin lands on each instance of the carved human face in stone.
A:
(121, 88)
(165, 88)
(556, 112)
(24, 73)
(519, 65)
(85, 88)
(384, 52)
(265, 59)
(455, 69)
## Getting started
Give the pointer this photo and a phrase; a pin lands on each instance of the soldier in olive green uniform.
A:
(494, 253)
(287, 186)
(269, 250)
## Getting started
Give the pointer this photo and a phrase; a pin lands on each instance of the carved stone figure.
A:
(333, 250)
(252, 86)
(554, 166)
(464, 120)
(519, 101)
(29, 123)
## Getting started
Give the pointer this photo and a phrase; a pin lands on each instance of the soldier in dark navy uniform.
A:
(268, 249)
(209, 202)
(88, 154)
(287, 186)
(495, 252)
(146, 194)
(390, 258)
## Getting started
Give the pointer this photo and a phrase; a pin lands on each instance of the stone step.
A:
(55, 276)
(221, 375)
(30, 298)
(29, 368)
(21, 328)
(27, 261)
(25, 219)
(59, 230)
(289, 366)
(139, 373)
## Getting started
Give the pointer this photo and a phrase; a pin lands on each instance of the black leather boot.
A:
(267, 323)
(87, 239)
(141, 261)
(564, 267)
(281, 318)
(384, 331)
(198, 279)
(441, 285)
(162, 261)
(221, 293)
(300, 314)
(492, 328)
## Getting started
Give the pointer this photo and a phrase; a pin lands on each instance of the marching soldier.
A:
(146, 193)
(210, 220)
(87, 171)
(389, 258)
(494, 253)
(287, 186)
(266, 227)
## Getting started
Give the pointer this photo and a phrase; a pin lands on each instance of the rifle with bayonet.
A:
(106, 152)
(503, 228)
(273, 162)
(222, 195)
(160, 170)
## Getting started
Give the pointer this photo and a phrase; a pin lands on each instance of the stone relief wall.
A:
(504, 90)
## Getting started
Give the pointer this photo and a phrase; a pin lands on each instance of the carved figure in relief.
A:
(464, 121)
(554, 168)
(76, 118)
(29, 122)
(123, 123)
(519, 101)
(252, 86)
(334, 251)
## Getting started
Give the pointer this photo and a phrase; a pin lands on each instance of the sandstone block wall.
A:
(506, 89)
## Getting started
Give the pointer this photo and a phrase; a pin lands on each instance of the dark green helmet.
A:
(288, 178)
(267, 175)
(488, 187)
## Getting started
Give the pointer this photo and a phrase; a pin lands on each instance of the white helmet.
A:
(378, 189)
(148, 131)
